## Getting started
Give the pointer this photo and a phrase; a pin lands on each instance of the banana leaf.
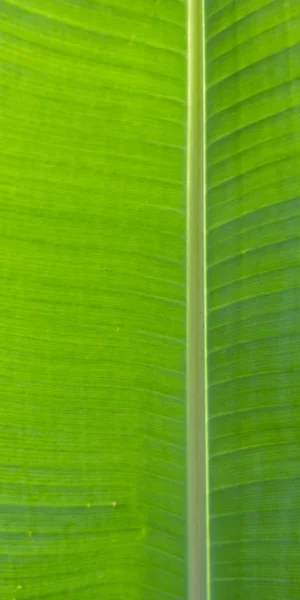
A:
(253, 295)
(149, 323)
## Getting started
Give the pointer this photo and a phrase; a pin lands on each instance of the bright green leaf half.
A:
(93, 113)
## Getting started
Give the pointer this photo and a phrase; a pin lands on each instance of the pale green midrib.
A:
(204, 264)
(197, 438)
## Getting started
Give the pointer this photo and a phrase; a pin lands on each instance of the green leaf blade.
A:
(253, 340)
(93, 300)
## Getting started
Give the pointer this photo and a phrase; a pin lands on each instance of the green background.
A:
(93, 319)
(92, 322)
